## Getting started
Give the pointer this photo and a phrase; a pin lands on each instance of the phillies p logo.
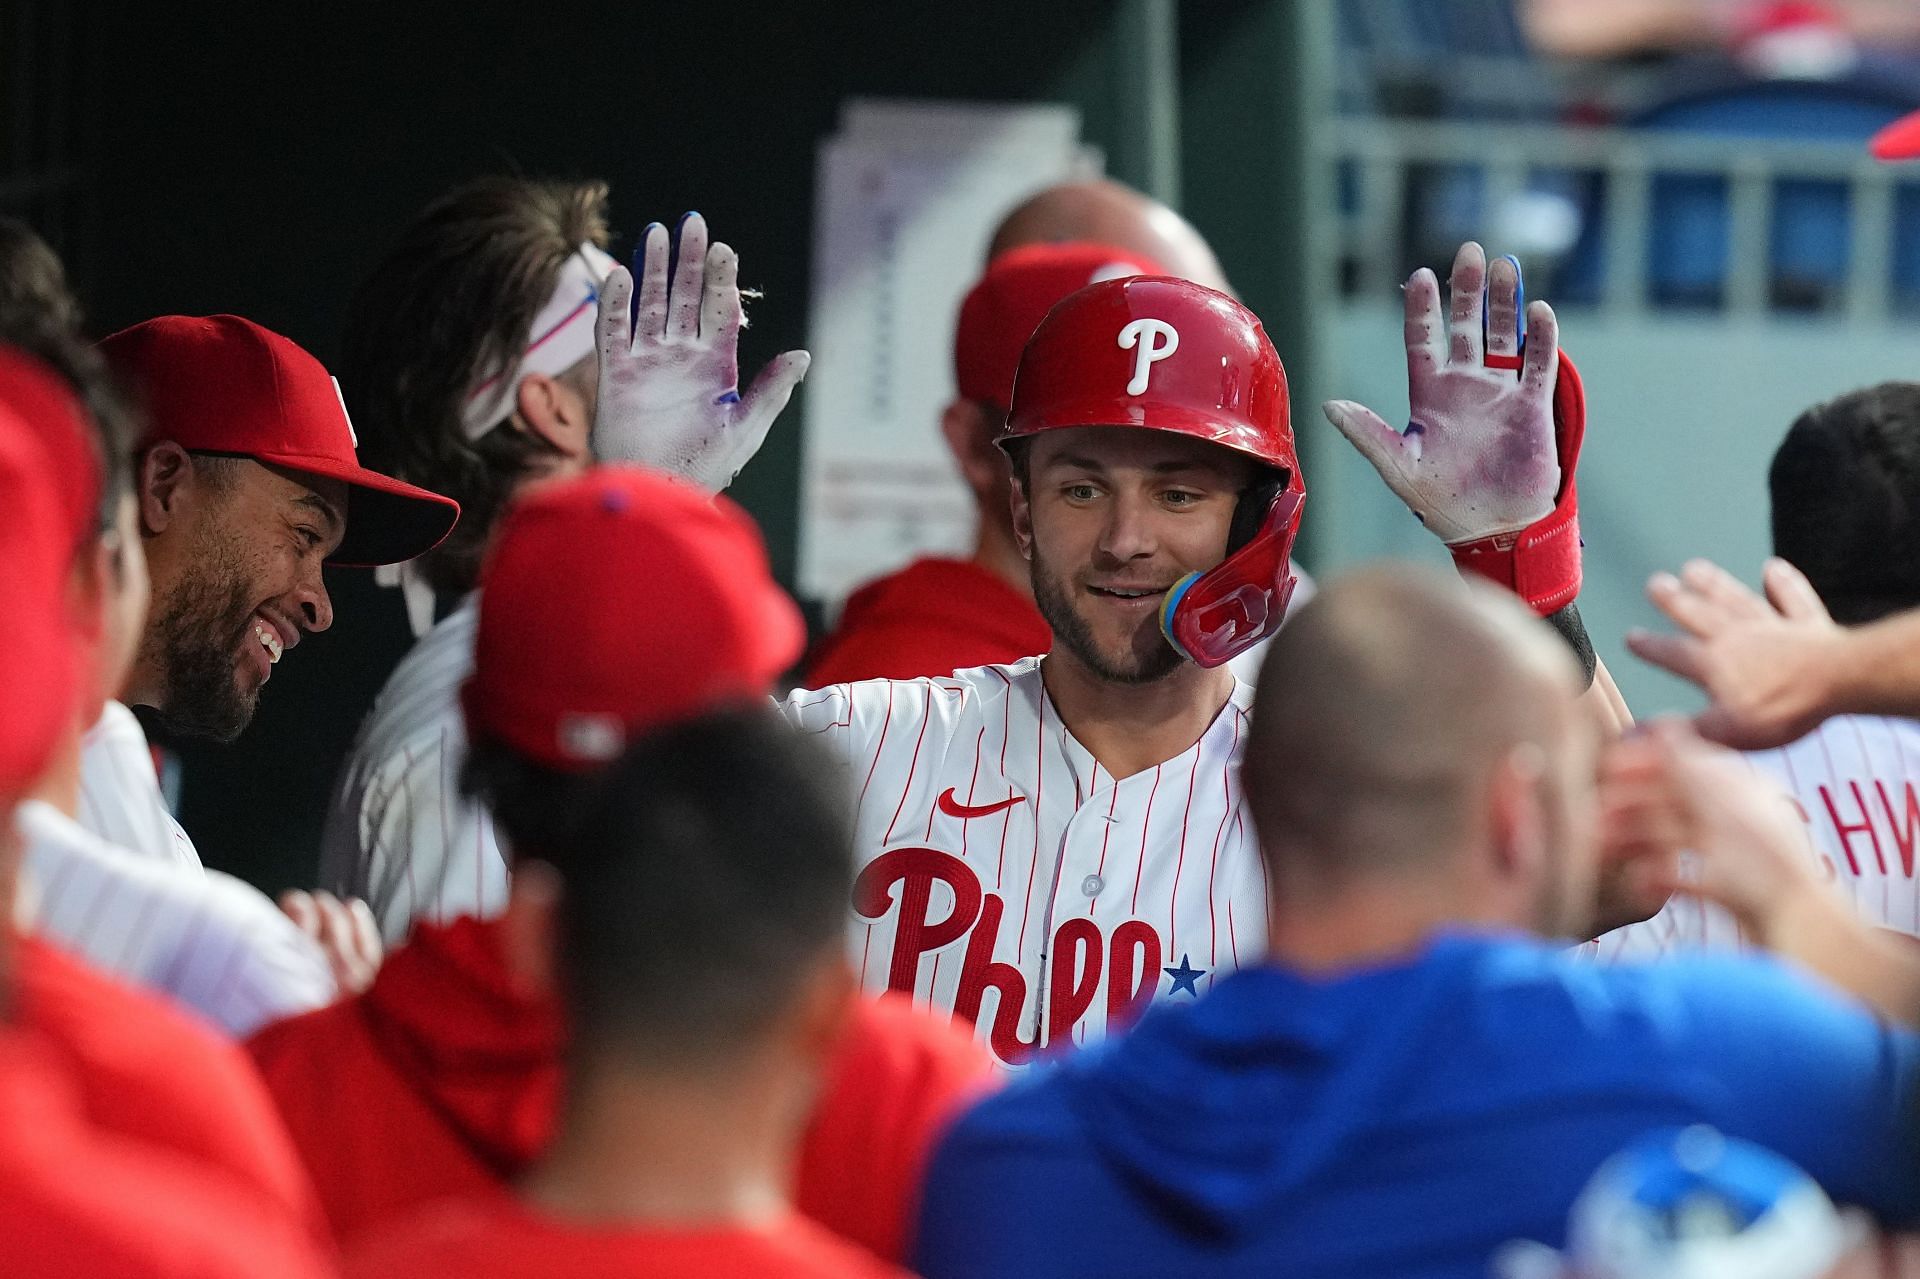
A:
(1155, 340)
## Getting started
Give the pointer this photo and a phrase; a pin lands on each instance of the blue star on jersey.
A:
(1184, 977)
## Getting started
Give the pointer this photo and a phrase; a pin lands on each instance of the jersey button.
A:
(1092, 885)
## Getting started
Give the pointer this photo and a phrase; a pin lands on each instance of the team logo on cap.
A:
(1155, 340)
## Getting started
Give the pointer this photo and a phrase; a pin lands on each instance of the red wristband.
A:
(1541, 563)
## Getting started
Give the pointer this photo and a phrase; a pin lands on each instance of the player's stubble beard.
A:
(1071, 631)
(194, 637)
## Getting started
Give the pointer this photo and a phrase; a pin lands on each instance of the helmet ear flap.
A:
(1250, 511)
(1212, 617)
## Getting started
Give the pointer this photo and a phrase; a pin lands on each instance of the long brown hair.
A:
(450, 304)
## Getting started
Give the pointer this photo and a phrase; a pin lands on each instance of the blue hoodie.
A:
(1407, 1120)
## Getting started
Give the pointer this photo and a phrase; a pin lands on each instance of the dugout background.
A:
(254, 158)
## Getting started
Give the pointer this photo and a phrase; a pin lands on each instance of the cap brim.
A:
(1899, 140)
(388, 521)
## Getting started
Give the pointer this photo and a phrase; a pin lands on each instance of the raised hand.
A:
(670, 365)
(1765, 662)
(1478, 456)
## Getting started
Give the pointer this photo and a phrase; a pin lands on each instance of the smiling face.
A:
(1111, 518)
(236, 549)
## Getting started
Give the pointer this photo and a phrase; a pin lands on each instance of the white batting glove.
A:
(670, 368)
(1478, 457)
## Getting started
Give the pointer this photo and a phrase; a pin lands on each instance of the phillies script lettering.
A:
(1078, 953)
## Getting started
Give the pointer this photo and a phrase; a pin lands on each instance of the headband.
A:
(561, 337)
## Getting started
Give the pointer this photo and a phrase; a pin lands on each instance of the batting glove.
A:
(1487, 459)
(670, 365)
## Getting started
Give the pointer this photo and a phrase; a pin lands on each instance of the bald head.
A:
(1384, 709)
(1107, 212)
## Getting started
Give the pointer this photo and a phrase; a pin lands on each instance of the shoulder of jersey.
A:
(974, 687)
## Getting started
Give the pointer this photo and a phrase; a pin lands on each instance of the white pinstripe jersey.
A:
(398, 832)
(1855, 781)
(120, 799)
(1003, 874)
(1041, 919)
(212, 942)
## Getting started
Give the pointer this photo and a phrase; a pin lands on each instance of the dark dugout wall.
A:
(255, 159)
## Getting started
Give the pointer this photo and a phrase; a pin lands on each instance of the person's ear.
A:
(530, 928)
(551, 409)
(969, 433)
(1021, 508)
(1517, 826)
(164, 479)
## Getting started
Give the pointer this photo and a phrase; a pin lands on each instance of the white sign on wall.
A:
(909, 194)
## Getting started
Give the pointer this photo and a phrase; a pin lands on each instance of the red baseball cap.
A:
(1899, 140)
(38, 657)
(618, 603)
(47, 407)
(221, 384)
(1019, 288)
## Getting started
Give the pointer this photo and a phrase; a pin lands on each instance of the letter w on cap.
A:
(1147, 335)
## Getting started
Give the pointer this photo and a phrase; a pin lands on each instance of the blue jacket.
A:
(1407, 1120)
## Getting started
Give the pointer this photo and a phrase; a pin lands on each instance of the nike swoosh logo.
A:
(954, 808)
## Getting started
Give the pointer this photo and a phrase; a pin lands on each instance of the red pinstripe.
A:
(1146, 822)
(1105, 835)
(878, 746)
(1039, 798)
(1213, 874)
(913, 766)
(966, 824)
(1233, 942)
(1006, 818)
(1186, 819)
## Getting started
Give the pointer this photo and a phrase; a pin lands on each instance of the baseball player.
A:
(107, 1167)
(939, 614)
(207, 939)
(244, 479)
(1834, 486)
(38, 314)
(1050, 845)
(1047, 846)
(472, 367)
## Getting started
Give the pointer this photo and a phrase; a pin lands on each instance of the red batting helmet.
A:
(1170, 355)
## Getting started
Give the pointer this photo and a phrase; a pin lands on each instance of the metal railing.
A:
(1384, 166)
